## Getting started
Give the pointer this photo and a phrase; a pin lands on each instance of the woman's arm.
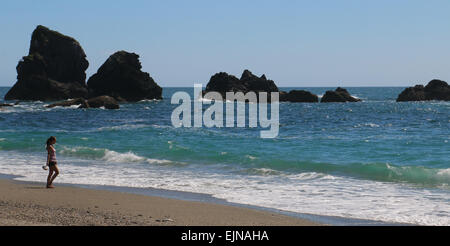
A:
(48, 156)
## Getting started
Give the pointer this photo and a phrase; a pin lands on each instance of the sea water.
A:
(376, 159)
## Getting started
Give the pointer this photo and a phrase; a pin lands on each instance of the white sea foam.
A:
(122, 127)
(444, 173)
(75, 106)
(112, 156)
(26, 107)
(264, 171)
(148, 100)
(371, 125)
(161, 126)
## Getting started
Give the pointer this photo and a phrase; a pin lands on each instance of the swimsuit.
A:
(52, 158)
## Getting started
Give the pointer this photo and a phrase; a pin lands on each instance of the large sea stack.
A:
(53, 70)
(435, 90)
(121, 77)
(338, 95)
(223, 83)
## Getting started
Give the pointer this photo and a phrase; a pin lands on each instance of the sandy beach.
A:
(28, 204)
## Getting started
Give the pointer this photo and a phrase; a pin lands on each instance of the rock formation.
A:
(96, 102)
(339, 95)
(68, 103)
(53, 70)
(121, 77)
(223, 83)
(298, 96)
(101, 101)
(435, 90)
(257, 84)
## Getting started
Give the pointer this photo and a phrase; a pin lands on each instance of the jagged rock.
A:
(223, 83)
(121, 77)
(298, 96)
(6, 105)
(53, 70)
(339, 95)
(68, 103)
(434, 90)
(101, 101)
(257, 84)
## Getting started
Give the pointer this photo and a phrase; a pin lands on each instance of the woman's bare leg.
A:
(56, 172)
(49, 178)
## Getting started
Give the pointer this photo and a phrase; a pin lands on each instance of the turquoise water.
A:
(378, 159)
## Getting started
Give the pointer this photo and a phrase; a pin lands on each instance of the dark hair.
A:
(50, 139)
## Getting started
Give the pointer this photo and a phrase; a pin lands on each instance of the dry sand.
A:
(33, 204)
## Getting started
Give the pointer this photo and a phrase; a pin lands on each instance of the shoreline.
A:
(203, 209)
(30, 203)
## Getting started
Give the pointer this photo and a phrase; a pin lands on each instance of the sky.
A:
(295, 43)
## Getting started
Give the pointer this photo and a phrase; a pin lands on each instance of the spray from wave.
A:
(108, 155)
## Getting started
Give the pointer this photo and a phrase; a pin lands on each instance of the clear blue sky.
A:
(295, 43)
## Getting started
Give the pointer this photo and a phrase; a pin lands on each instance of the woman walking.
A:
(51, 162)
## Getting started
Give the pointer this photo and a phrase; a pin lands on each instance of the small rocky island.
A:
(223, 83)
(298, 96)
(55, 70)
(338, 95)
(434, 90)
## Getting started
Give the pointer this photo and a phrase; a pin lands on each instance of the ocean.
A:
(375, 160)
